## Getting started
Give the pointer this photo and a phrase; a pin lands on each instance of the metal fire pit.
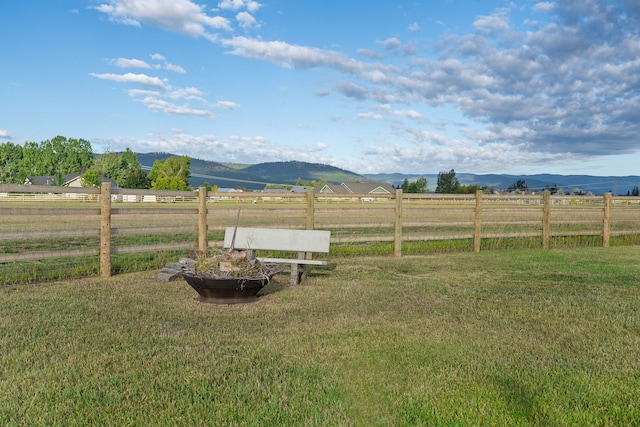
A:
(229, 290)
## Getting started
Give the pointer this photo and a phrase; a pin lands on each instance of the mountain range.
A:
(255, 177)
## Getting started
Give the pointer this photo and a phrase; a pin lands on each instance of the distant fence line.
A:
(396, 218)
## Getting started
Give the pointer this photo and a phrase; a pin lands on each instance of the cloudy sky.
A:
(480, 86)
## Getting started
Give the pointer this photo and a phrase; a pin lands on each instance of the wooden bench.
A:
(276, 239)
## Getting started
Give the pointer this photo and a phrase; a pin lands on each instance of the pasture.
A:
(501, 337)
(50, 239)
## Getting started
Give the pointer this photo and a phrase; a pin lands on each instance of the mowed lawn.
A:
(502, 338)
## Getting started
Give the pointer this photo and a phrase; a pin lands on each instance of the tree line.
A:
(60, 156)
(447, 183)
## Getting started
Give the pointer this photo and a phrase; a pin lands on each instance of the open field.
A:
(517, 338)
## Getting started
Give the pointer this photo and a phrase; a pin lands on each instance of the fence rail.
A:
(125, 222)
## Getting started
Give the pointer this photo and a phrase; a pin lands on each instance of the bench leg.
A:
(296, 273)
(299, 271)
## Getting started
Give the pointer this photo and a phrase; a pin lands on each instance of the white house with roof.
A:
(357, 188)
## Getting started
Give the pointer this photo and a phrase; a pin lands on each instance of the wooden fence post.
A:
(105, 229)
(606, 226)
(202, 219)
(310, 208)
(546, 219)
(397, 238)
(478, 222)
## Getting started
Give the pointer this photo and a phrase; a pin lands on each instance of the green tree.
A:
(519, 185)
(124, 169)
(137, 179)
(447, 182)
(10, 163)
(417, 186)
(468, 189)
(61, 155)
(32, 163)
(90, 178)
(210, 188)
(108, 164)
(57, 157)
(169, 183)
(312, 183)
(129, 164)
(171, 174)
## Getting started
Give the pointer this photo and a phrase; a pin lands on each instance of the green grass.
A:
(23, 272)
(502, 337)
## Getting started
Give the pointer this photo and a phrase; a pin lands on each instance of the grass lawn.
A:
(526, 337)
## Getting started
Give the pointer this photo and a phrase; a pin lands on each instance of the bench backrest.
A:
(278, 239)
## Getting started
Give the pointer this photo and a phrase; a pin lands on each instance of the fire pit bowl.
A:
(226, 290)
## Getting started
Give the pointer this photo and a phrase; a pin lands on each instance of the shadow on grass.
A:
(522, 401)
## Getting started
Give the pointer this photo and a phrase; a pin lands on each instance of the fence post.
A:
(546, 218)
(202, 219)
(606, 226)
(478, 222)
(105, 229)
(310, 208)
(397, 238)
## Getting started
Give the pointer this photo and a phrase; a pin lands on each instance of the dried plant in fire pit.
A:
(233, 265)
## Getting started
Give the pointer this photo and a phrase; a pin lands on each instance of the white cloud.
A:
(188, 93)
(543, 6)
(370, 115)
(289, 55)
(498, 22)
(182, 16)
(395, 45)
(130, 63)
(154, 103)
(157, 100)
(246, 20)
(371, 54)
(160, 95)
(318, 147)
(166, 65)
(174, 68)
(413, 27)
(412, 114)
(142, 79)
(251, 6)
(391, 43)
(227, 105)
(5, 134)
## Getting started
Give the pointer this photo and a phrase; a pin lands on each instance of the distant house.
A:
(68, 180)
(372, 188)
(357, 188)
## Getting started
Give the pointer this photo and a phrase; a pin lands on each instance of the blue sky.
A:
(479, 86)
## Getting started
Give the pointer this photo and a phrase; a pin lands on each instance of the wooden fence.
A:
(104, 221)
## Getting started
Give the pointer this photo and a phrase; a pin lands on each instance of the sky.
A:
(413, 87)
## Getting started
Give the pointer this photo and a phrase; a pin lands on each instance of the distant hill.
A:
(618, 185)
(289, 172)
(255, 177)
